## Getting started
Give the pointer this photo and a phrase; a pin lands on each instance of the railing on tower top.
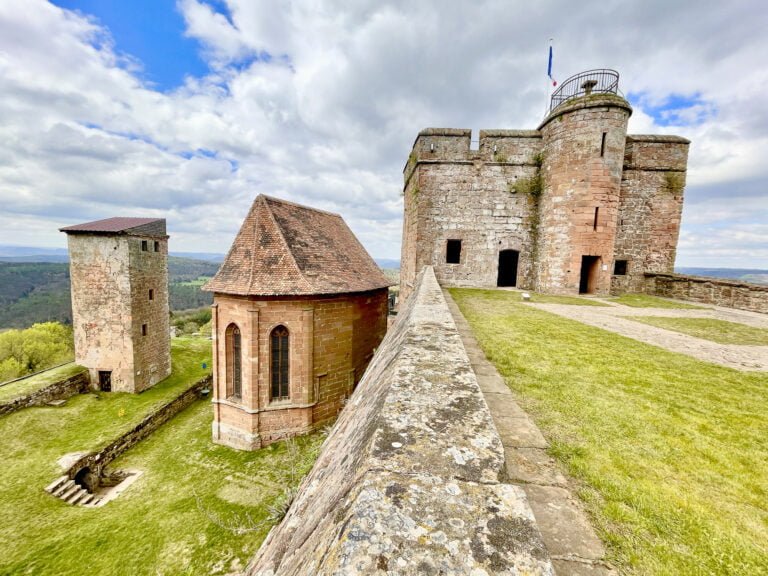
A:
(585, 83)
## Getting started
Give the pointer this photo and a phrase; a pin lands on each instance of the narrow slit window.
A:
(143, 329)
(453, 252)
(151, 294)
(144, 246)
(279, 342)
(602, 145)
(594, 223)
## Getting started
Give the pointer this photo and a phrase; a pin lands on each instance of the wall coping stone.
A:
(411, 478)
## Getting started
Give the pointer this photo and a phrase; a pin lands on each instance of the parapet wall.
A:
(410, 479)
(729, 293)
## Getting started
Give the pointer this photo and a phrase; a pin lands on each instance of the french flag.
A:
(549, 67)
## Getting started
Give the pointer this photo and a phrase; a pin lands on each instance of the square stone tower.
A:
(119, 275)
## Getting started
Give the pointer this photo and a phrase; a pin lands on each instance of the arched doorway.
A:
(508, 260)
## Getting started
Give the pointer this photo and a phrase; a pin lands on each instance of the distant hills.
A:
(37, 291)
(753, 275)
(37, 254)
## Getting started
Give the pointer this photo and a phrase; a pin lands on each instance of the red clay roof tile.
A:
(288, 249)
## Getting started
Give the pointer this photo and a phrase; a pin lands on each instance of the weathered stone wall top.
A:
(656, 153)
(717, 291)
(408, 481)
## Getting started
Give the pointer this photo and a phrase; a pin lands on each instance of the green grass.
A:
(670, 454)
(710, 329)
(43, 534)
(177, 518)
(646, 301)
(37, 382)
(555, 299)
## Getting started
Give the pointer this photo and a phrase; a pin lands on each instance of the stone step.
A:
(93, 503)
(87, 500)
(69, 492)
(56, 484)
(79, 496)
(63, 488)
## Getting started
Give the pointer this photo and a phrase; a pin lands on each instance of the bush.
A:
(36, 348)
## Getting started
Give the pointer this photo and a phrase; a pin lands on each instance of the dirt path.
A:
(617, 318)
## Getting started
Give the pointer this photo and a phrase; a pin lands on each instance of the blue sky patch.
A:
(675, 109)
(151, 31)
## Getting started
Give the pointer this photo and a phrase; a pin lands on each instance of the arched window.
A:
(278, 353)
(234, 362)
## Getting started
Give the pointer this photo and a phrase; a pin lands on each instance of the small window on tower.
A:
(144, 246)
(143, 329)
(453, 252)
(157, 246)
(620, 268)
(151, 294)
(602, 144)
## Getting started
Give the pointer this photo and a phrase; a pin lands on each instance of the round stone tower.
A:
(583, 153)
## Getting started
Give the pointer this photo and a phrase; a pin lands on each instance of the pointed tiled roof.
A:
(288, 249)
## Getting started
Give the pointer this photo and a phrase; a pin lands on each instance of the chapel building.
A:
(299, 309)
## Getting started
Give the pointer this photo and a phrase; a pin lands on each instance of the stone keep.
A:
(576, 206)
(299, 308)
(119, 275)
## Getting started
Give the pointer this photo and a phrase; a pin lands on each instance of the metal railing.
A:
(585, 83)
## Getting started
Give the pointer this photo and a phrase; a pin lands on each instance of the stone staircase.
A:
(66, 489)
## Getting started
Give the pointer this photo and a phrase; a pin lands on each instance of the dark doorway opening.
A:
(508, 260)
(105, 380)
(589, 273)
(453, 252)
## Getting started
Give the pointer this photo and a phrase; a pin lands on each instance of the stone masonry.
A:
(576, 206)
(299, 308)
(119, 275)
(411, 479)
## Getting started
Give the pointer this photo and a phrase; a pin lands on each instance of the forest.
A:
(39, 292)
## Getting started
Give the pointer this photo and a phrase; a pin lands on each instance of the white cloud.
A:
(319, 102)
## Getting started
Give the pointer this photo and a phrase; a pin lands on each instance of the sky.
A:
(188, 110)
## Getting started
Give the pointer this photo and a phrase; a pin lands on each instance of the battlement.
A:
(517, 147)
(656, 152)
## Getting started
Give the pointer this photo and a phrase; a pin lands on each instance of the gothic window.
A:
(279, 360)
(234, 362)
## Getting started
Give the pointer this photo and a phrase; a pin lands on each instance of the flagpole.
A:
(548, 91)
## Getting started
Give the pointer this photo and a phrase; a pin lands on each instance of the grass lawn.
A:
(646, 301)
(670, 454)
(37, 382)
(42, 533)
(555, 299)
(719, 331)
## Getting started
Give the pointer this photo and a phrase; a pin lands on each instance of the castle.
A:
(575, 206)
(119, 275)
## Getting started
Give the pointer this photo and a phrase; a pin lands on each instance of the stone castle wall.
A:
(331, 342)
(111, 277)
(717, 291)
(454, 193)
(151, 352)
(76, 384)
(101, 303)
(650, 209)
(409, 480)
(582, 167)
(579, 186)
